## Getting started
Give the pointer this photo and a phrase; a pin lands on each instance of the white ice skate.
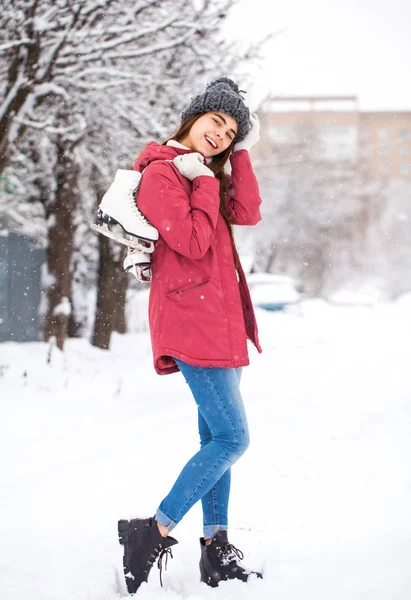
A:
(118, 208)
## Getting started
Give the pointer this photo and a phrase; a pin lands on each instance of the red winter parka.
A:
(198, 311)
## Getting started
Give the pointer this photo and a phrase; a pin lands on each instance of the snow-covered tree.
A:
(314, 215)
(387, 251)
(92, 82)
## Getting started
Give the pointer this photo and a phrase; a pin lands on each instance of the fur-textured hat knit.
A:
(221, 95)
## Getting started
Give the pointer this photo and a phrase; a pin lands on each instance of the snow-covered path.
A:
(320, 501)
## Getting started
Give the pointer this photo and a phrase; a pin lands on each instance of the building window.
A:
(405, 133)
(404, 169)
(384, 168)
(382, 133)
(335, 130)
(284, 131)
(404, 150)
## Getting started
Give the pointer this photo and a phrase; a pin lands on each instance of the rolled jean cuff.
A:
(165, 521)
(211, 530)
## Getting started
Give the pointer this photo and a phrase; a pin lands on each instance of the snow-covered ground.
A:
(320, 501)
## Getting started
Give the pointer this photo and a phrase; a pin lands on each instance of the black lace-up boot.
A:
(220, 561)
(143, 545)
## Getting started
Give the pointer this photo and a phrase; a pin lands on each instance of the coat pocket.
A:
(186, 289)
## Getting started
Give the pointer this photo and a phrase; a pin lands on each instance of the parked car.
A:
(273, 292)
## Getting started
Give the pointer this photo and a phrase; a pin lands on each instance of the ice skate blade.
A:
(103, 217)
(138, 244)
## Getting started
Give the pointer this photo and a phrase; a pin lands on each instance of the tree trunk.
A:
(60, 247)
(74, 326)
(111, 293)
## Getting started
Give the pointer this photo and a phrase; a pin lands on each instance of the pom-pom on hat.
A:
(221, 95)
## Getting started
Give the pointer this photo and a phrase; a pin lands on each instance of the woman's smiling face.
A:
(211, 134)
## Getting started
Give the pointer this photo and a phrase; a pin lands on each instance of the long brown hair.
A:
(217, 166)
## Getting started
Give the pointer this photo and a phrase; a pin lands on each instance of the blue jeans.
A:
(223, 429)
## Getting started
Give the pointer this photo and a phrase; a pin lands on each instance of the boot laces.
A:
(159, 553)
(231, 554)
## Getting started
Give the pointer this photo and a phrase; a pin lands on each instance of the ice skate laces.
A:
(134, 207)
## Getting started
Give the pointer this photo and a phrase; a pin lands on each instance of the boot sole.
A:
(124, 537)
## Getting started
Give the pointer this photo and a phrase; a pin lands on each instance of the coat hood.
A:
(155, 151)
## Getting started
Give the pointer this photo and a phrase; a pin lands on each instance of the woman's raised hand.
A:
(192, 165)
(252, 137)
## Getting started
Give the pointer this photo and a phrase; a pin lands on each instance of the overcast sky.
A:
(346, 47)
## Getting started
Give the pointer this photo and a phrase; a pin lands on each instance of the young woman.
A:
(200, 315)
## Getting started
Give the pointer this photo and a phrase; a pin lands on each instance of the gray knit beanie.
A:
(224, 96)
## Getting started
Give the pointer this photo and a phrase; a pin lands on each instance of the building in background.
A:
(337, 129)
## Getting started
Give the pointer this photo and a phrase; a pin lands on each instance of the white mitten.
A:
(192, 165)
(252, 136)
